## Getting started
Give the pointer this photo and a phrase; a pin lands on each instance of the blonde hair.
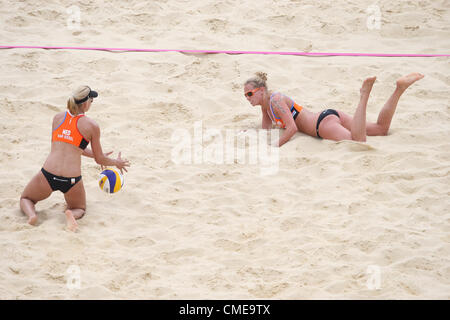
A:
(258, 81)
(78, 94)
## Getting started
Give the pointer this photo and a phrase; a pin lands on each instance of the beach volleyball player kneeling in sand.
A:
(71, 133)
(329, 124)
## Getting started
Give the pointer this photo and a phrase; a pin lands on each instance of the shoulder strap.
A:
(64, 119)
(270, 105)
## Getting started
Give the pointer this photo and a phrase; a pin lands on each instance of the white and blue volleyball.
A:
(110, 181)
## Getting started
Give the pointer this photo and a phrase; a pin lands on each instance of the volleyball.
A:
(110, 181)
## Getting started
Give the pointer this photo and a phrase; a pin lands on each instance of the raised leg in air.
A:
(358, 127)
(381, 127)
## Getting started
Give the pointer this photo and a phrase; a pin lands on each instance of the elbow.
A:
(292, 130)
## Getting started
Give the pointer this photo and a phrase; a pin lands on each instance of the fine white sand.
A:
(337, 221)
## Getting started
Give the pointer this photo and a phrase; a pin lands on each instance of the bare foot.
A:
(404, 82)
(32, 220)
(367, 86)
(72, 225)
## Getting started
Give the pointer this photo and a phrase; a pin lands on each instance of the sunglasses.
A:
(251, 92)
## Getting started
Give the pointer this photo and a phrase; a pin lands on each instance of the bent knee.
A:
(359, 138)
(25, 198)
(77, 213)
(382, 132)
(81, 215)
(81, 208)
(377, 130)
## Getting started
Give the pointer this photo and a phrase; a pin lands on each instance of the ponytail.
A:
(72, 106)
(78, 94)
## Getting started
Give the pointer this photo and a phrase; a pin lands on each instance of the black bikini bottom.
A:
(322, 116)
(62, 184)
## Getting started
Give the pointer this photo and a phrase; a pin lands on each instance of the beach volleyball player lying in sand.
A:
(329, 124)
(71, 133)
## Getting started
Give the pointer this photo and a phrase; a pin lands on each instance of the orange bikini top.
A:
(68, 132)
(295, 110)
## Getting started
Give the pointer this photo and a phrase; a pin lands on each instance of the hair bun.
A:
(258, 81)
(262, 76)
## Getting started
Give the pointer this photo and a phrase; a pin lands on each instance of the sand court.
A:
(338, 220)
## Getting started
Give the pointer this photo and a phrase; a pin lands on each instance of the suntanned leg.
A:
(28, 208)
(358, 127)
(71, 222)
(36, 190)
(72, 215)
(76, 205)
(387, 113)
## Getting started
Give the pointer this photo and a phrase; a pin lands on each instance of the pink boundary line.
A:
(233, 52)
